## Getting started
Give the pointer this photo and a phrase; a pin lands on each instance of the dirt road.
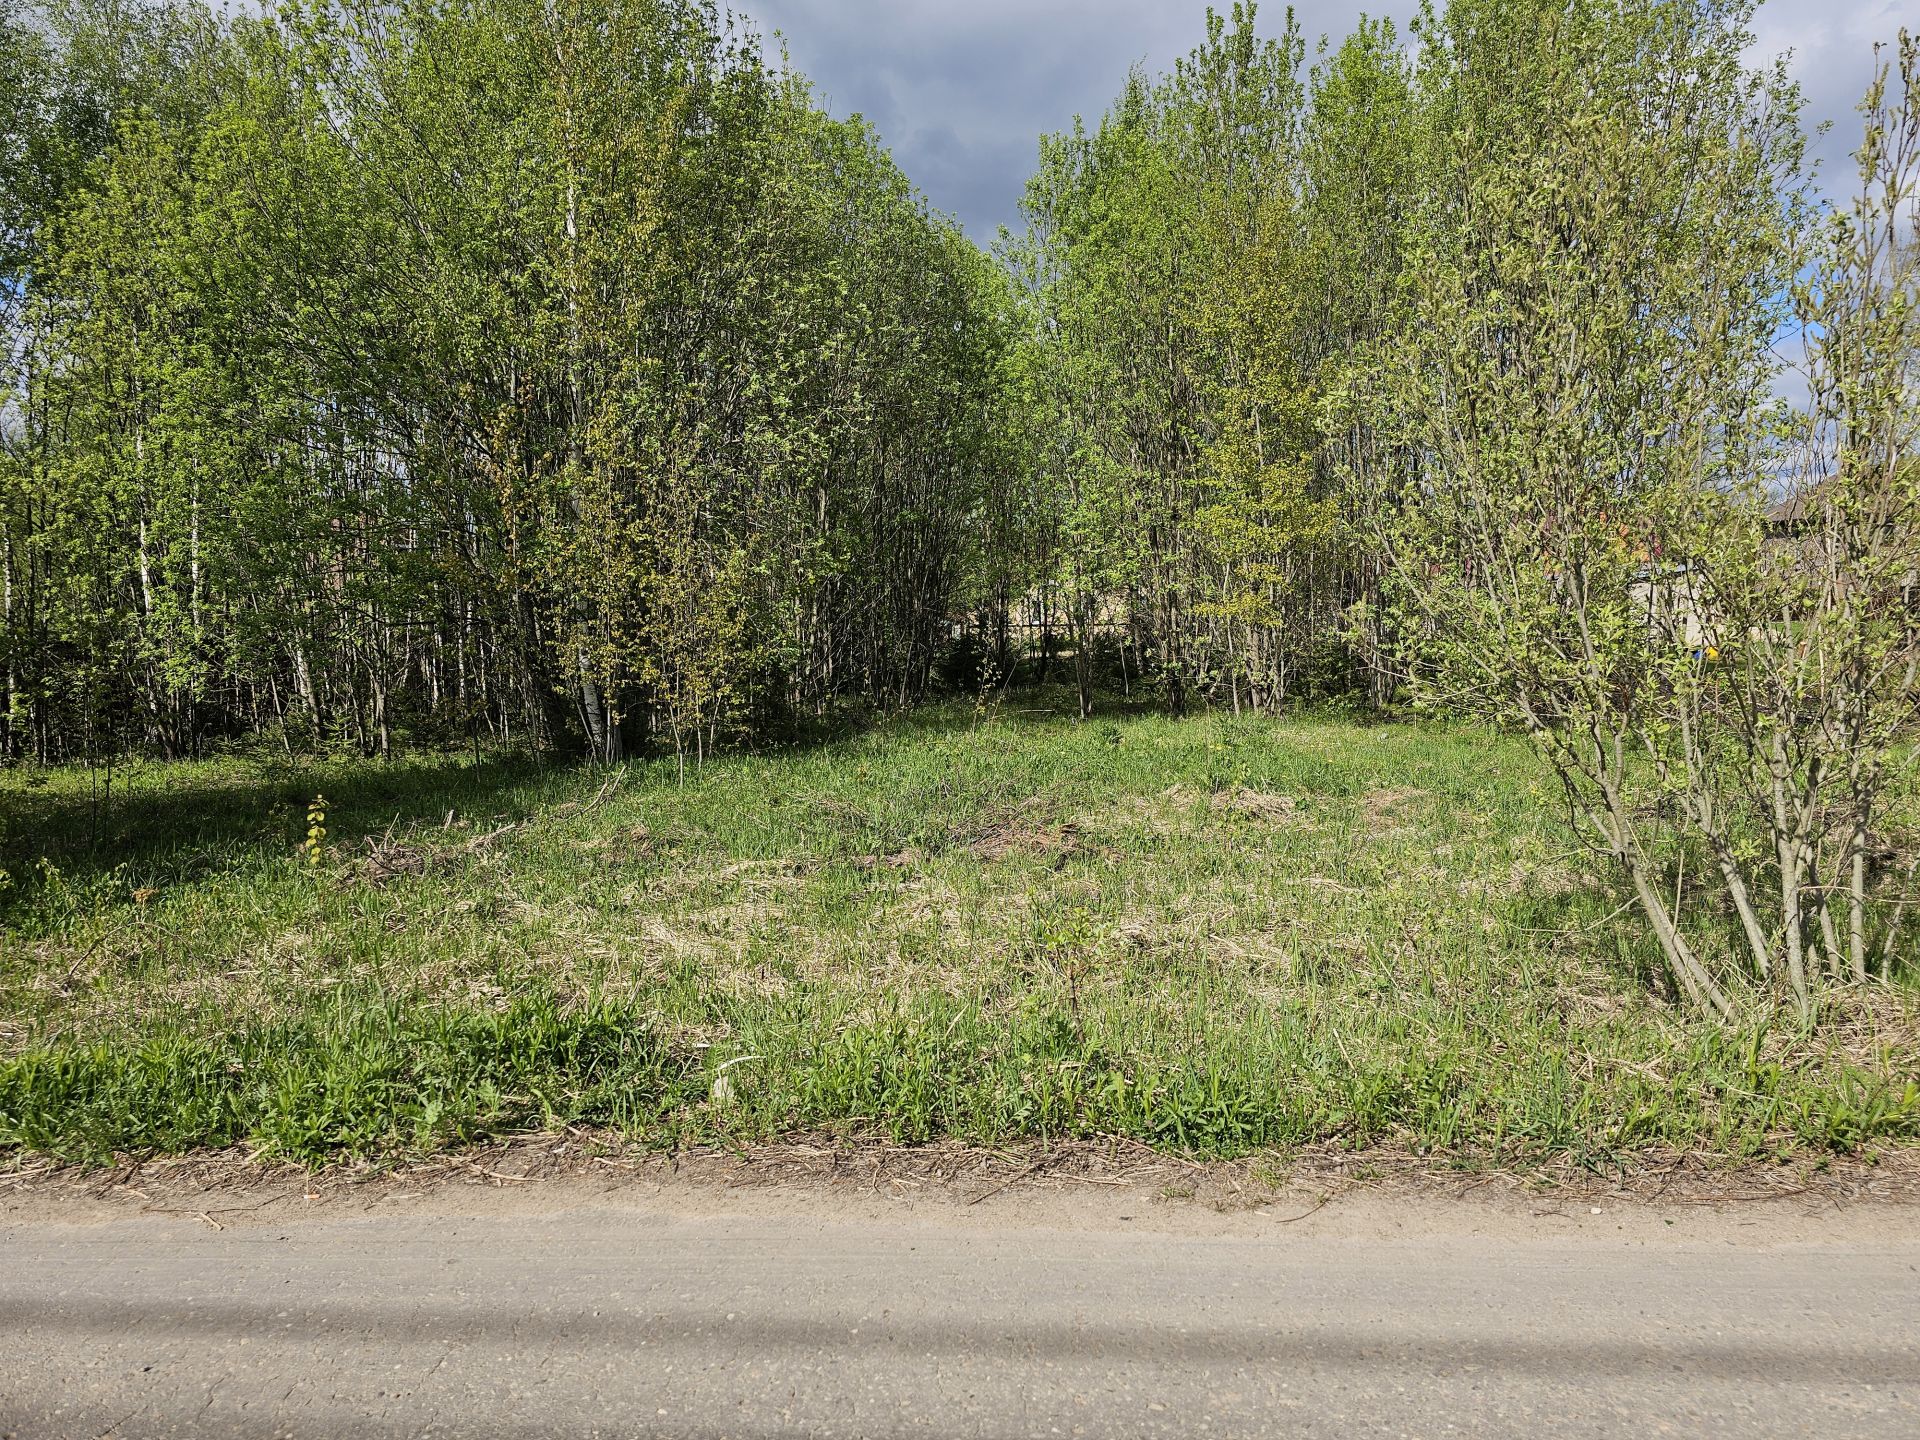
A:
(577, 1311)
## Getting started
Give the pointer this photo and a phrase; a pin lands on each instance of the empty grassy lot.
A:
(1215, 935)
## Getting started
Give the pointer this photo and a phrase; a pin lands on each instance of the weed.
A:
(316, 841)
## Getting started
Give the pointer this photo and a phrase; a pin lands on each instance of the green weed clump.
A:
(344, 1082)
(1218, 937)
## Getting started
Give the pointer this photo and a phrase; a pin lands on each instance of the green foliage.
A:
(341, 1082)
(555, 372)
(1202, 266)
(1579, 389)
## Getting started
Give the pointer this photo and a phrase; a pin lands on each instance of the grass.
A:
(1218, 936)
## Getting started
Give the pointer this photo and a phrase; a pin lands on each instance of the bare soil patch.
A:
(1078, 1184)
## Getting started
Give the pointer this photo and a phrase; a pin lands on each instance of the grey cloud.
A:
(962, 91)
(1831, 49)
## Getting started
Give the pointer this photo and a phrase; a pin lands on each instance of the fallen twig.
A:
(1010, 1180)
(1325, 1200)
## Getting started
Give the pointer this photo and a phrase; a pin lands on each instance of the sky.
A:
(961, 90)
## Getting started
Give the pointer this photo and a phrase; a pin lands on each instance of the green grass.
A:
(1219, 936)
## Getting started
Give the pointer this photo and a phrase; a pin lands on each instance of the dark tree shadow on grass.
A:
(163, 825)
(200, 819)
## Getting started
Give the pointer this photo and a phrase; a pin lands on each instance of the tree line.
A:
(557, 371)
(1452, 371)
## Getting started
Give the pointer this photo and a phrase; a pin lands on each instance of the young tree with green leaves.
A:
(1581, 386)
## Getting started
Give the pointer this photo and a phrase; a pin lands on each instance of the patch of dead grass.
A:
(1387, 807)
(1010, 838)
(1256, 805)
